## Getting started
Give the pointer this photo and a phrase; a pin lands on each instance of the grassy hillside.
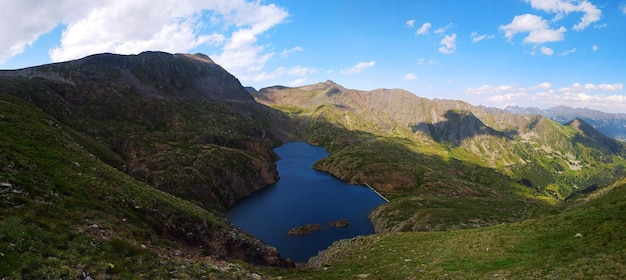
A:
(446, 164)
(584, 242)
(179, 123)
(65, 213)
(581, 243)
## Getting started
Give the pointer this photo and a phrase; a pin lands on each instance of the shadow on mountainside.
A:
(460, 126)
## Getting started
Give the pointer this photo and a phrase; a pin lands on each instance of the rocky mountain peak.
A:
(155, 74)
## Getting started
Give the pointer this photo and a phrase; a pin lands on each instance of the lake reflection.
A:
(304, 196)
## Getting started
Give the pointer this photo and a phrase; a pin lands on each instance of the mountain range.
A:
(121, 166)
(611, 125)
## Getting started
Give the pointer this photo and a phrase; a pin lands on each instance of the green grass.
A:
(545, 248)
(64, 213)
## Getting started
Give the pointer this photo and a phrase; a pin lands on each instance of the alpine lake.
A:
(327, 208)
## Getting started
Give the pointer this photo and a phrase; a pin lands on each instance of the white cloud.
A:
(240, 53)
(410, 77)
(299, 82)
(477, 38)
(544, 86)
(489, 89)
(524, 23)
(545, 35)
(448, 44)
(295, 71)
(568, 52)
(623, 9)
(592, 96)
(423, 29)
(563, 7)
(538, 29)
(358, 68)
(443, 29)
(594, 47)
(129, 27)
(508, 97)
(286, 52)
(578, 87)
(421, 61)
(547, 51)
(410, 23)
(23, 22)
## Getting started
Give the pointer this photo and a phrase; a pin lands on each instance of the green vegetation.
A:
(446, 164)
(581, 243)
(121, 166)
(65, 213)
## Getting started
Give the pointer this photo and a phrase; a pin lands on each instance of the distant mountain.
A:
(611, 125)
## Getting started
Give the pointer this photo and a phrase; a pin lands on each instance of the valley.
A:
(117, 166)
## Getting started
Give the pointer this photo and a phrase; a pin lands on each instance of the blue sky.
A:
(540, 53)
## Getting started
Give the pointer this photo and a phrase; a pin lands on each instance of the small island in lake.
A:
(302, 230)
(341, 223)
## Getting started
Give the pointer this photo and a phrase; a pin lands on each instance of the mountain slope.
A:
(178, 122)
(585, 242)
(64, 213)
(423, 153)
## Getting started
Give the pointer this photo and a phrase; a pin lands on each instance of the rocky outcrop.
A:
(341, 223)
(302, 230)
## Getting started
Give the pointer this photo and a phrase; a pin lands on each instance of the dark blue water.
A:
(304, 196)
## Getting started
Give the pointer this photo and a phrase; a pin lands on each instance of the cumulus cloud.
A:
(547, 51)
(594, 47)
(424, 28)
(545, 35)
(358, 68)
(448, 44)
(410, 23)
(524, 23)
(578, 87)
(410, 77)
(23, 22)
(129, 27)
(603, 97)
(562, 8)
(623, 9)
(538, 29)
(477, 38)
